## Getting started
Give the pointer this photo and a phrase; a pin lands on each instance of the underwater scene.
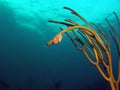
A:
(59, 44)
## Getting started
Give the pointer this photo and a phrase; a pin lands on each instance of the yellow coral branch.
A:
(98, 45)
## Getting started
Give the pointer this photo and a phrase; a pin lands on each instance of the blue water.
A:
(26, 63)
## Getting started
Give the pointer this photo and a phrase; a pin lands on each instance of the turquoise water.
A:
(26, 63)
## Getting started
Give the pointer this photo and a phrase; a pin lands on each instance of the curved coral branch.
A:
(98, 45)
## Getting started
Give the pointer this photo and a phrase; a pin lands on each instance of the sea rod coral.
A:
(95, 43)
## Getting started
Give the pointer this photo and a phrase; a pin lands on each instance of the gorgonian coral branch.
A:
(98, 45)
